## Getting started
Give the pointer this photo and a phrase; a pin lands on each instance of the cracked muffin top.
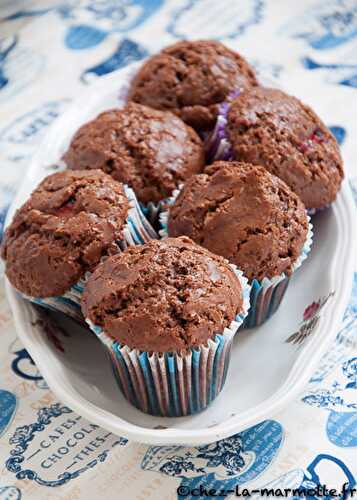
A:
(68, 224)
(163, 296)
(245, 214)
(151, 151)
(270, 128)
(192, 79)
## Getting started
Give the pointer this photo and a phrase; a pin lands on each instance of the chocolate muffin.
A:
(192, 79)
(268, 127)
(68, 224)
(245, 214)
(152, 151)
(163, 296)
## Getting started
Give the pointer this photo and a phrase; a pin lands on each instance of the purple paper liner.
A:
(137, 231)
(179, 383)
(217, 145)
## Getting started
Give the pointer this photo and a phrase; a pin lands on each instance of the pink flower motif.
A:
(311, 310)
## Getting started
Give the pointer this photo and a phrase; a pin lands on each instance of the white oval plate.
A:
(266, 372)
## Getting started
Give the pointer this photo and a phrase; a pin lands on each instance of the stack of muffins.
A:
(228, 170)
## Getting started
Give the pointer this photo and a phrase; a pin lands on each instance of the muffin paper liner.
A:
(136, 231)
(217, 145)
(59, 304)
(153, 210)
(178, 383)
(267, 294)
(315, 211)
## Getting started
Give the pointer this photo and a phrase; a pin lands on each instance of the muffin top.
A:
(270, 128)
(152, 151)
(245, 214)
(192, 79)
(163, 296)
(68, 224)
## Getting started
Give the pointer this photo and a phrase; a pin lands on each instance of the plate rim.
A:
(300, 372)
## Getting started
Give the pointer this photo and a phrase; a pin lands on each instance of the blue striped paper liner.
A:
(266, 295)
(152, 211)
(62, 304)
(179, 383)
(136, 231)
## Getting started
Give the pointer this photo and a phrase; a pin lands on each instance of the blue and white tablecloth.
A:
(49, 51)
